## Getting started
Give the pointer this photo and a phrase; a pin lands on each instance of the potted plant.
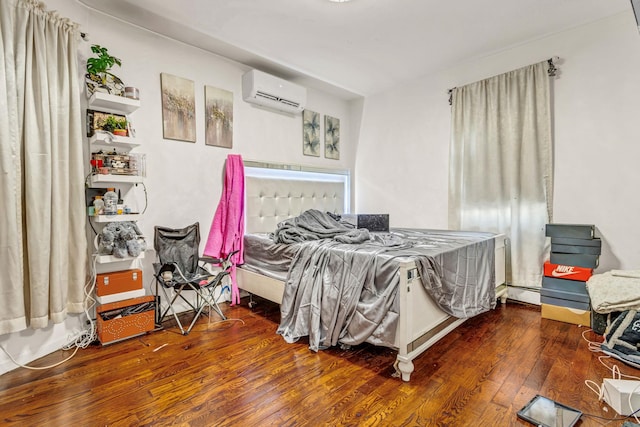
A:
(99, 76)
(115, 125)
(120, 127)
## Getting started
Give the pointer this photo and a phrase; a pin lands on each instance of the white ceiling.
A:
(360, 47)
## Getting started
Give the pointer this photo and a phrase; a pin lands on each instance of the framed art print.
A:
(218, 104)
(310, 133)
(331, 137)
(178, 108)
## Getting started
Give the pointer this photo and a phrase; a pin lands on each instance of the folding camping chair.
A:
(181, 269)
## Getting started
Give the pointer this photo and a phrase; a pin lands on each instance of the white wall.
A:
(402, 162)
(401, 137)
(184, 180)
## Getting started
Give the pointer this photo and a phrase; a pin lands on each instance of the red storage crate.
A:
(116, 282)
(120, 320)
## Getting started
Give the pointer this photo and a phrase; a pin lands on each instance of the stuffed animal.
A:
(121, 239)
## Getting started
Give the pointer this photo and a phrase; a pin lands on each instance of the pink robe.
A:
(227, 229)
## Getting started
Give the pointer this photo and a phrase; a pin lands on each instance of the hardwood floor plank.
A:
(240, 372)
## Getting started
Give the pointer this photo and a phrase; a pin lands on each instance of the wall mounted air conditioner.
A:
(273, 92)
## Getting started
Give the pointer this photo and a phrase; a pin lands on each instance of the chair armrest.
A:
(211, 260)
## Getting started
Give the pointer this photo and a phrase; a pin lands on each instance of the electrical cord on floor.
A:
(229, 319)
(610, 420)
(594, 347)
(82, 339)
(86, 337)
(38, 368)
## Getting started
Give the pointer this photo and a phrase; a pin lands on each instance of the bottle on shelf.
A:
(98, 205)
(120, 206)
(110, 202)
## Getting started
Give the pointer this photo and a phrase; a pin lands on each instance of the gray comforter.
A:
(315, 225)
(347, 294)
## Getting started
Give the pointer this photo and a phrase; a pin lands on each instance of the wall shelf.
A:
(109, 259)
(115, 179)
(104, 139)
(114, 152)
(115, 218)
(113, 103)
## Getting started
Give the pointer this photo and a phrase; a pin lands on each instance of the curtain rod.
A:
(551, 71)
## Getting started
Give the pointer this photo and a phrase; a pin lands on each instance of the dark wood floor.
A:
(240, 373)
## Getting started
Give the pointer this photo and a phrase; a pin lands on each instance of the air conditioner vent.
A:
(267, 96)
(293, 104)
(273, 92)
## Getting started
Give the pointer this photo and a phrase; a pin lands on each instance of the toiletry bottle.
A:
(120, 205)
(98, 205)
(110, 202)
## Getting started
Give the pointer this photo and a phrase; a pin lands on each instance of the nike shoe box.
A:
(576, 260)
(575, 252)
(567, 272)
(573, 231)
(572, 290)
(576, 316)
(566, 245)
(574, 249)
(595, 242)
(574, 244)
(121, 320)
(558, 302)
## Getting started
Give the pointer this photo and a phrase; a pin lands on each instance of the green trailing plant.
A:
(102, 63)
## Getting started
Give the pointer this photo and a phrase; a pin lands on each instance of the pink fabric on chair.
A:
(227, 229)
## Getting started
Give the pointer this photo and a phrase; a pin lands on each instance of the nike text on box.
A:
(573, 231)
(568, 272)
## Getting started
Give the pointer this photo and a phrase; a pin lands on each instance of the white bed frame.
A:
(421, 323)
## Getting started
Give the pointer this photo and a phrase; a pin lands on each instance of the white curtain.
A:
(43, 246)
(501, 164)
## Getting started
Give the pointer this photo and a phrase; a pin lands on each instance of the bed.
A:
(418, 323)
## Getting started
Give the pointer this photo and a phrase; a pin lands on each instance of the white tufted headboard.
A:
(270, 200)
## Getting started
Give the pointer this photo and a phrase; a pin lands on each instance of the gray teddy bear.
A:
(121, 239)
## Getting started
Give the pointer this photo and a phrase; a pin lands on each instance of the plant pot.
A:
(120, 132)
(107, 83)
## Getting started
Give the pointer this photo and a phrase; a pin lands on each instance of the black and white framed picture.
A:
(331, 137)
(310, 133)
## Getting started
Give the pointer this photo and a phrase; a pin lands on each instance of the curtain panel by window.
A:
(43, 246)
(501, 164)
